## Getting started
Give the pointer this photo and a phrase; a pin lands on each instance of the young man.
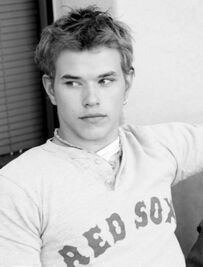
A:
(97, 193)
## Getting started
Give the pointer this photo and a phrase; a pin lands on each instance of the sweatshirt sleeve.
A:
(185, 143)
(20, 241)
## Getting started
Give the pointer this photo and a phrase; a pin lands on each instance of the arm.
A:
(185, 143)
(20, 241)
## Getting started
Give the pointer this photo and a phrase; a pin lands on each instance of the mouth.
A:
(93, 118)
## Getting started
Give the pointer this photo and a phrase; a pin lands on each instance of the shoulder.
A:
(172, 136)
(163, 130)
(41, 164)
(38, 157)
(31, 167)
(148, 133)
(22, 169)
(29, 159)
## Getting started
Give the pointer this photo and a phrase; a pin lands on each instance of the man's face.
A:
(89, 90)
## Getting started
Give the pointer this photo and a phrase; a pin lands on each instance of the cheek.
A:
(65, 106)
(116, 105)
(67, 100)
(119, 97)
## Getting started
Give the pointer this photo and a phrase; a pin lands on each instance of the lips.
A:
(93, 118)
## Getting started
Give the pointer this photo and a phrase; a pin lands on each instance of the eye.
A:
(106, 81)
(72, 83)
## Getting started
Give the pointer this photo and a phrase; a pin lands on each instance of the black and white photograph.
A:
(101, 133)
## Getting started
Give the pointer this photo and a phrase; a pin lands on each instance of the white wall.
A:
(168, 56)
(168, 59)
(62, 6)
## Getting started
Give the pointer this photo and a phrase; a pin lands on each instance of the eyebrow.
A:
(72, 77)
(110, 73)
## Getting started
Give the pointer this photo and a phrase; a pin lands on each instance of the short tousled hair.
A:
(83, 29)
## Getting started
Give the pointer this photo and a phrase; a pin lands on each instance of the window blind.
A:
(22, 117)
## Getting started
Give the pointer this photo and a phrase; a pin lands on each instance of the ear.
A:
(129, 81)
(48, 86)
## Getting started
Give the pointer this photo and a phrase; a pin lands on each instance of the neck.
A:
(91, 146)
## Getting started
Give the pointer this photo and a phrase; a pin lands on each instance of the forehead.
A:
(92, 62)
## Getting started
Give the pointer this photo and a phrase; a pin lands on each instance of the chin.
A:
(94, 135)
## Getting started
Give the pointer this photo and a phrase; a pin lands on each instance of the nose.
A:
(91, 96)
